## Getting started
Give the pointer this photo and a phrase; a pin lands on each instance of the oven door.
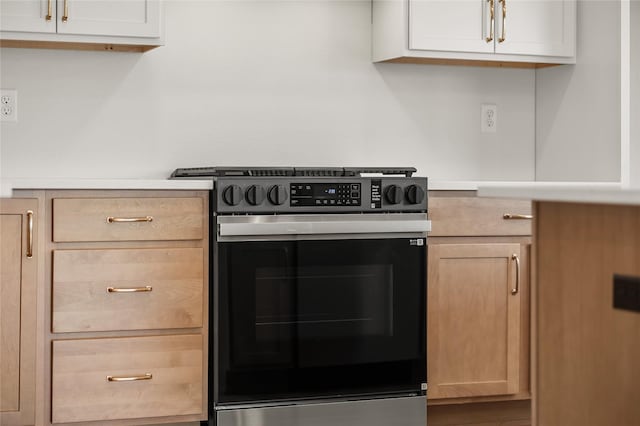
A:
(316, 307)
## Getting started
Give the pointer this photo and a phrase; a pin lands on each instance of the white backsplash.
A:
(261, 83)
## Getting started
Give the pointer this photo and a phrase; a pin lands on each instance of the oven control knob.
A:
(232, 195)
(255, 195)
(414, 194)
(277, 194)
(393, 194)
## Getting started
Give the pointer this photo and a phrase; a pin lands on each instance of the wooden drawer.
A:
(127, 289)
(81, 390)
(471, 216)
(87, 219)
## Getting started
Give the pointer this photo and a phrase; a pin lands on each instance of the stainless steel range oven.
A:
(318, 297)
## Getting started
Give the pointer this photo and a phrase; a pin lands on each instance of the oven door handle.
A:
(323, 225)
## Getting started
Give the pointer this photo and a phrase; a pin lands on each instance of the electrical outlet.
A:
(8, 105)
(488, 118)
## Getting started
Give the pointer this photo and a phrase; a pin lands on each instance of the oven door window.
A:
(320, 318)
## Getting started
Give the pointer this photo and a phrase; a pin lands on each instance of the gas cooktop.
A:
(199, 172)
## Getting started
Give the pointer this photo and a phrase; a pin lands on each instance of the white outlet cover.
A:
(8, 105)
(488, 118)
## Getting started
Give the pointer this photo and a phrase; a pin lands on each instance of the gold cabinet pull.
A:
(493, 21)
(516, 216)
(65, 15)
(48, 17)
(29, 234)
(144, 289)
(146, 376)
(504, 17)
(112, 219)
(517, 259)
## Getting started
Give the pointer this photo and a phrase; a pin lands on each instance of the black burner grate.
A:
(199, 172)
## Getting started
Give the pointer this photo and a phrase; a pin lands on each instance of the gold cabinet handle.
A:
(146, 376)
(516, 216)
(29, 234)
(48, 17)
(112, 219)
(504, 17)
(517, 259)
(493, 21)
(144, 289)
(65, 15)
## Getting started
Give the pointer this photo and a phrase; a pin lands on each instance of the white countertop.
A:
(473, 185)
(456, 185)
(588, 192)
(578, 192)
(8, 185)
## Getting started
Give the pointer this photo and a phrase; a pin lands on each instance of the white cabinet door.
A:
(450, 25)
(122, 18)
(28, 15)
(536, 27)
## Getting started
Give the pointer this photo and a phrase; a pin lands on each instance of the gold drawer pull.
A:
(517, 259)
(493, 20)
(146, 376)
(112, 219)
(517, 216)
(504, 19)
(29, 234)
(48, 17)
(65, 15)
(130, 290)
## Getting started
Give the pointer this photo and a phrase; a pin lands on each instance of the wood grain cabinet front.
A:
(478, 300)
(474, 320)
(127, 289)
(127, 307)
(127, 219)
(126, 378)
(18, 294)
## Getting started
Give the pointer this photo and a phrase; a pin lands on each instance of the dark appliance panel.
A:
(315, 318)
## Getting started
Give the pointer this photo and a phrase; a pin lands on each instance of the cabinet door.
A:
(17, 312)
(473, 324)
(536, 27)
(122, 18)
(28, 15)
(457, 26)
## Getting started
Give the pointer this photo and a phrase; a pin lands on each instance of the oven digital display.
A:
(325, 194)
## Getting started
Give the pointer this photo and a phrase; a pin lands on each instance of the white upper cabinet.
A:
(454, 25)
(448, 31)
(28, 15)
(123, 18)
(56, 23)
(540, 27)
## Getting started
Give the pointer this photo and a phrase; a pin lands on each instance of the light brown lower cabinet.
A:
(588, 350)
(124, 317)
(18, 279)
(126, 378)
(478, 295)
(474, 319)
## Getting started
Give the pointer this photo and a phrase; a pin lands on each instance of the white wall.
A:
(260, 83)
(578, 107)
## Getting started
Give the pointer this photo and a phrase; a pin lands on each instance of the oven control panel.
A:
(252, 195)
(325, 194)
